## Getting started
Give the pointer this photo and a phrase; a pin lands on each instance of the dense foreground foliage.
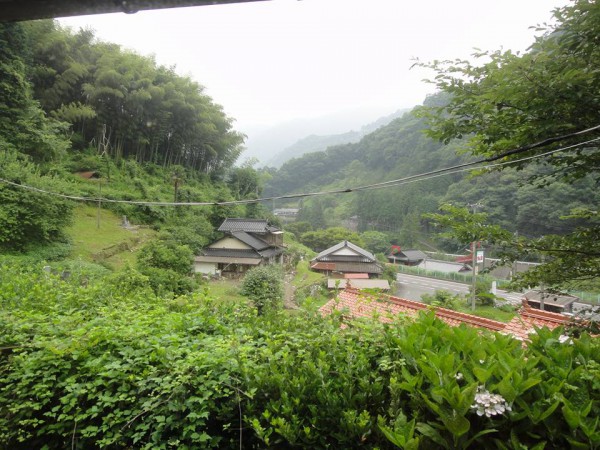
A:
(90, 363)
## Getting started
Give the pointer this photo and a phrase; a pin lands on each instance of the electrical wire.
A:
(392, 183)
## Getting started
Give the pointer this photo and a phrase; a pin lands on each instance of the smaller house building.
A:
(558, 303)
(286, 214)
(406, 257)
(344, 258)
(246, 243)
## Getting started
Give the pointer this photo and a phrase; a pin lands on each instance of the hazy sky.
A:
(268, 62)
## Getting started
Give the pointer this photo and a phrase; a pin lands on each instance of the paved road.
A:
(412, 287)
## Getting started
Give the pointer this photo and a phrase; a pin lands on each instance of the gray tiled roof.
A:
(344, 258)
(358, 267)
(346, 267)
(324, 255)
(252, 241)
(272, 251)
(247, 225)
(409, 255)
(230, 253)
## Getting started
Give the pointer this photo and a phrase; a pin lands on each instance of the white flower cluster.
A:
(489, 404)
(563, 338)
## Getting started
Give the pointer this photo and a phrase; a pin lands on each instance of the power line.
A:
(392, 183)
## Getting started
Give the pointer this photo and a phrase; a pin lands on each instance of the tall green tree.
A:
(319, 240)
(126, 105)
(511, 101)
(23, 124)
(26, 218)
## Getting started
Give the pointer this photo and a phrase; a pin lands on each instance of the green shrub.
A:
(264, 286)
(167, 265)
(483, 296)
(390, 272)
(110, 366)
(443, 299)
(29, 219)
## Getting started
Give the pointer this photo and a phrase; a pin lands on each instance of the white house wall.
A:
(345, 252)
(205, 267)
(229, 242)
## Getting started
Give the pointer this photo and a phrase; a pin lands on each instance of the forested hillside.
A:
(403, 149)
(70, 103)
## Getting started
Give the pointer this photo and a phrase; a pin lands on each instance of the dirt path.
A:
(289, 292)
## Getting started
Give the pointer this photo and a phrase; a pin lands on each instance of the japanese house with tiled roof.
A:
(346, 257)
(353, 304)
(246, 243)
(406, 257)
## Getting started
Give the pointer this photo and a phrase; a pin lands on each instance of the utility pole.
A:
(99, 203)
(542, 288)
(176, 180)
(474, 261)
(474, 275)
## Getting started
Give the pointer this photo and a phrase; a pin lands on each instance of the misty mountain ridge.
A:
(316, 143)
(265, 144)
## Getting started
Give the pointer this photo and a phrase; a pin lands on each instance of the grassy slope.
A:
(225, 290)
(489, 312)
(104, 241)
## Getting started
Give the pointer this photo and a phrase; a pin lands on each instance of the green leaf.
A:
(482, 374)
(430, 432)
(456, 424)
(571, 417)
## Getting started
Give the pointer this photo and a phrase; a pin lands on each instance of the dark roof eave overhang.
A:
(20, 10)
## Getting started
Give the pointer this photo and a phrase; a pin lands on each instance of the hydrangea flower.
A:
(489, 404)
(563, 338)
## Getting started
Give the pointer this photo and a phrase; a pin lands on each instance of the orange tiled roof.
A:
(323, 266)
(356, 276)
(529, 319)
(356, 304)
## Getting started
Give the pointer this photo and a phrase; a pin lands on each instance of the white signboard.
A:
(479, 256)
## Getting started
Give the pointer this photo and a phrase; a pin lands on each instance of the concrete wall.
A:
(205, 267)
